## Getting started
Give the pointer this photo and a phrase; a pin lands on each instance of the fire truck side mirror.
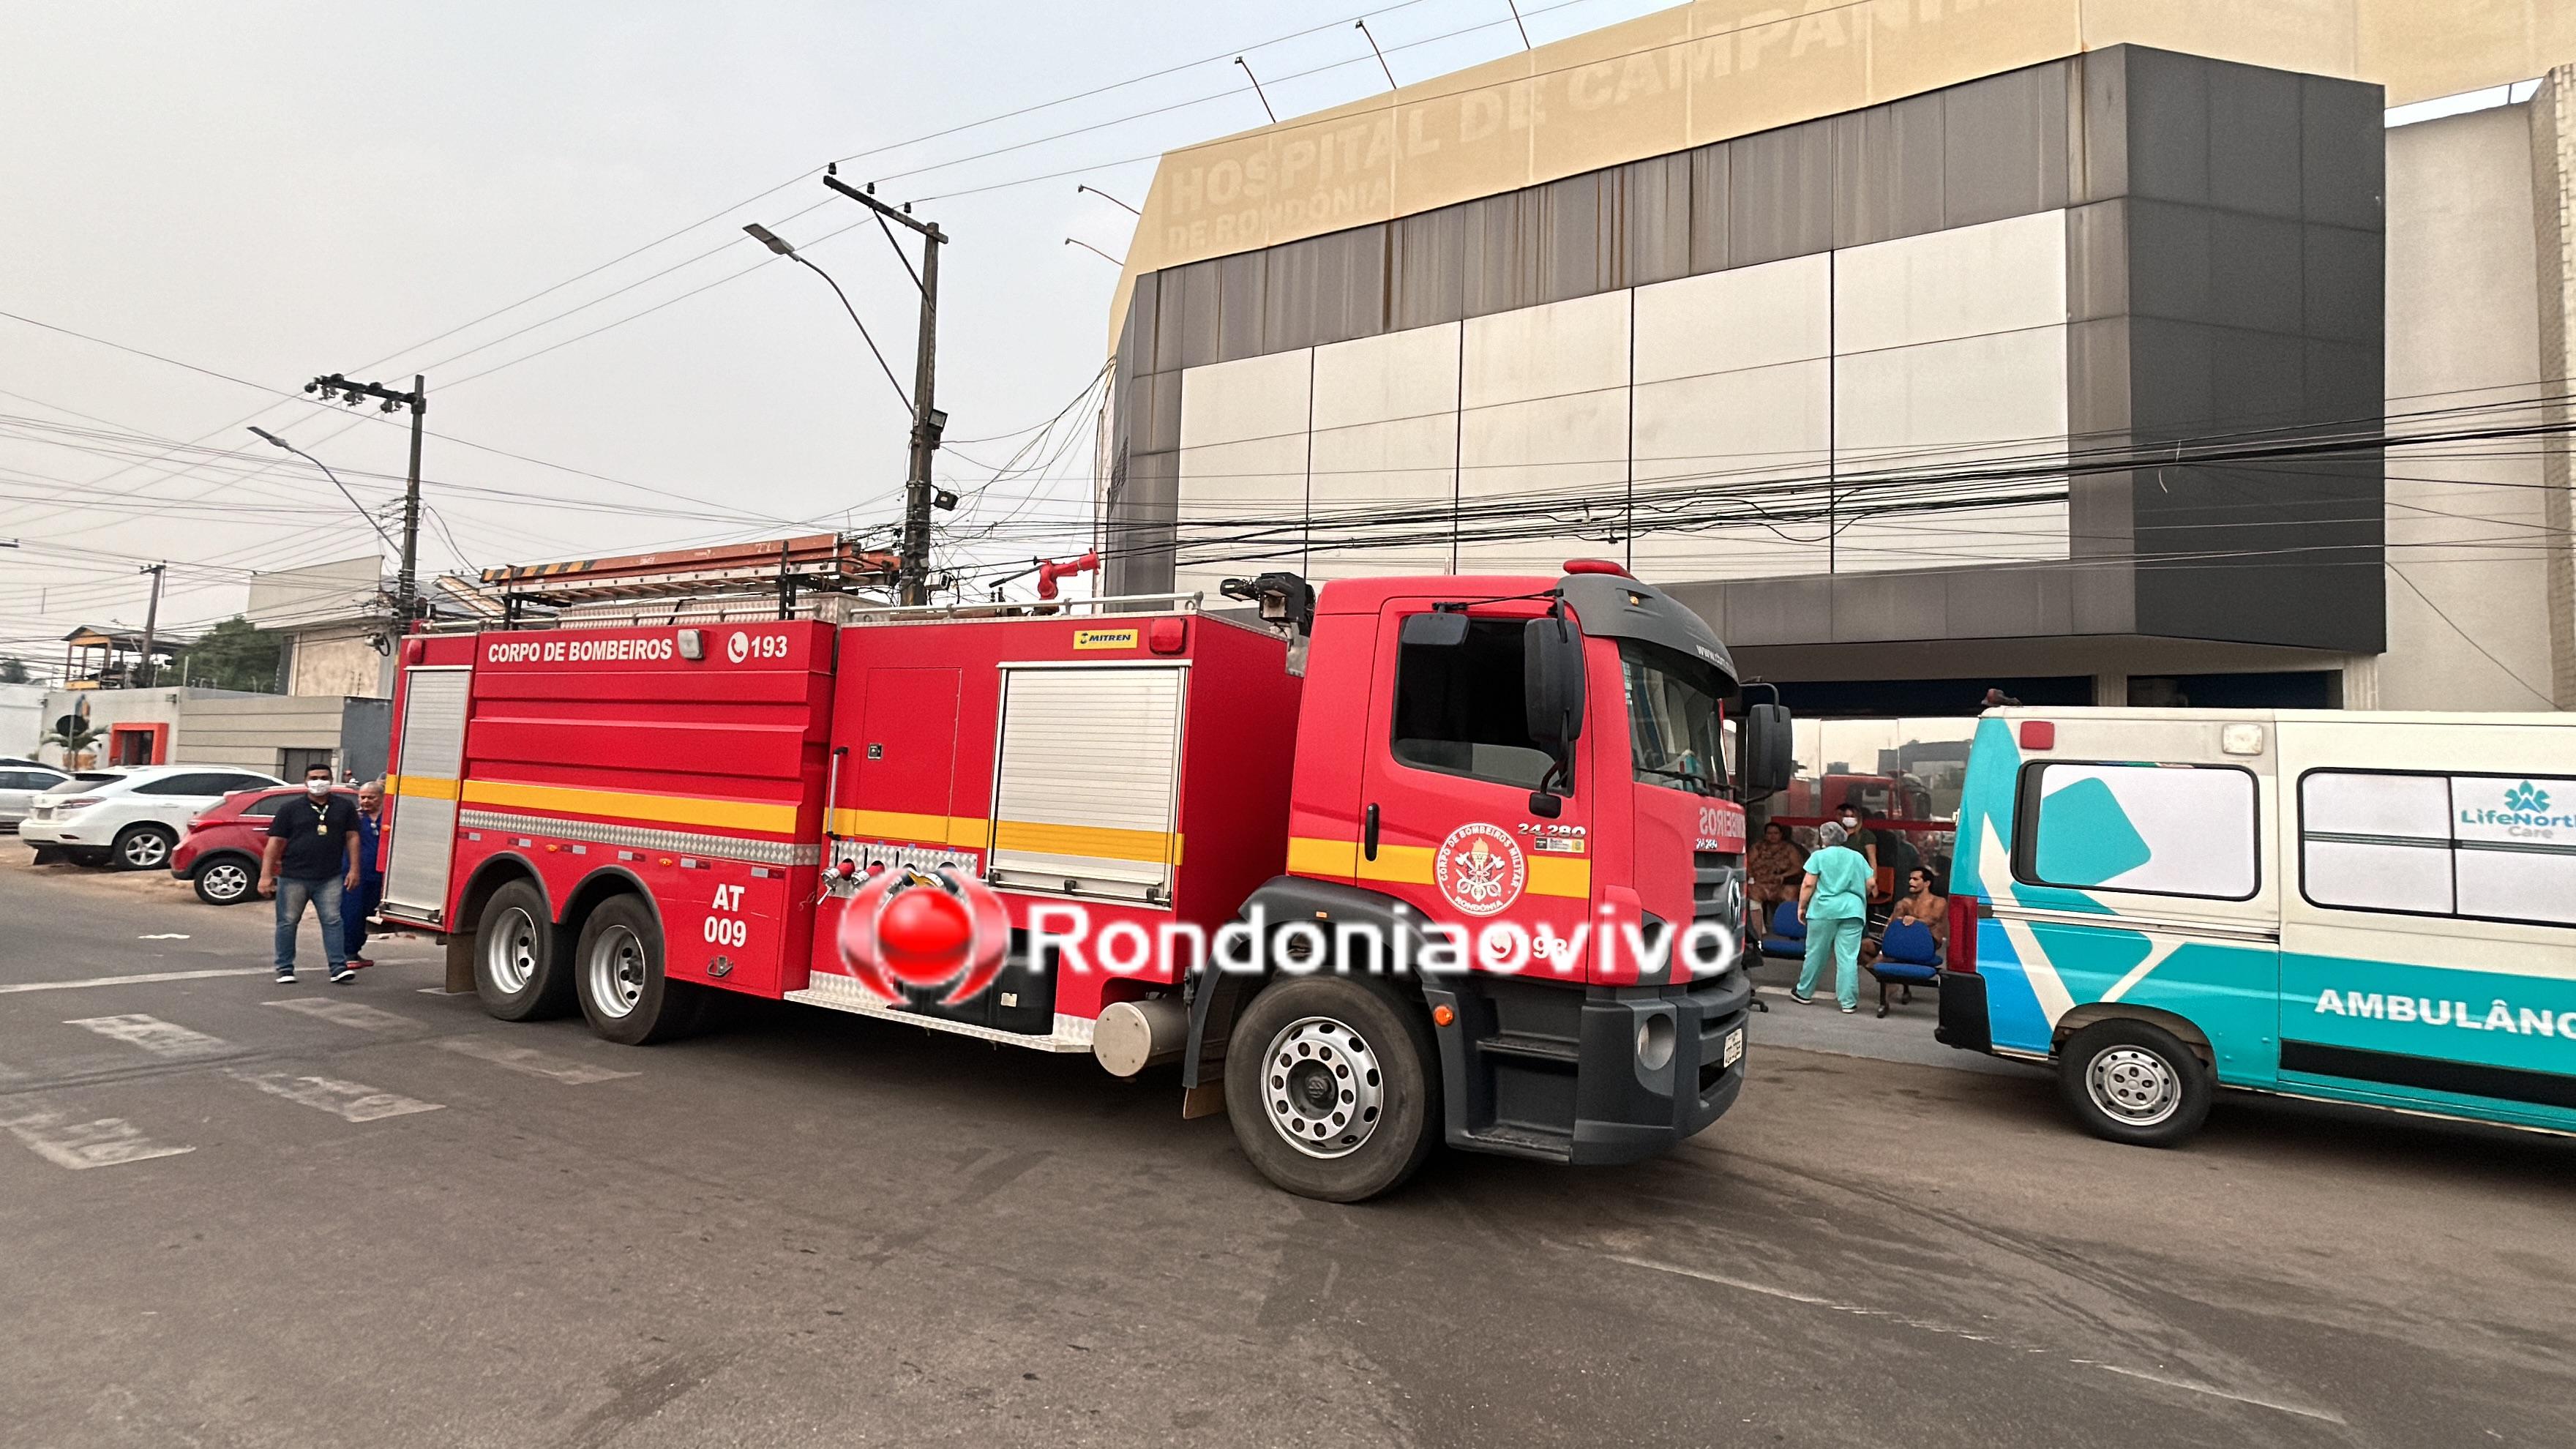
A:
(1768, 765)
(1552, 678)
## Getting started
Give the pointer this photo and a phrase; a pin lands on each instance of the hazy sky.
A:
(271, 191)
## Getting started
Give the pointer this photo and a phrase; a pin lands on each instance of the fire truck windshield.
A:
(1673, 724)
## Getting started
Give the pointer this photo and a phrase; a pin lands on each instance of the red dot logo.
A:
(925, 936)
(923, 932)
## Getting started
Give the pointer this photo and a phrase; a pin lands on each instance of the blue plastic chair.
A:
(1786, 940)
(1908, 956)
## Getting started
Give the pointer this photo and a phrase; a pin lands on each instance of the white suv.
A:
(130, 816)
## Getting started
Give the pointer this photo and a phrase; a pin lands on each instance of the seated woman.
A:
(1774, 866)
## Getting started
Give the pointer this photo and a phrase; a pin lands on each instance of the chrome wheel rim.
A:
(145, 850)
(616, 972)
(226, 882)
(1322, 1088)
(2133, 1085)
(510, 951)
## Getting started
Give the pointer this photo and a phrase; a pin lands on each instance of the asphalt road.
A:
(243, 1214)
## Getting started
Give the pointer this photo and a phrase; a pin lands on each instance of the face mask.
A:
(317, 788)
(1849, 821)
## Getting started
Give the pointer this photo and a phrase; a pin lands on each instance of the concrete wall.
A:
(336, 662)
(2465, 534)
(250, 730)
(22, 718)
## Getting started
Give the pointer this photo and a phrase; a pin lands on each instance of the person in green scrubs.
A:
(1833, 901)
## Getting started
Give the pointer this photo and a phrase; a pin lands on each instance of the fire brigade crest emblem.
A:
(1480, 869)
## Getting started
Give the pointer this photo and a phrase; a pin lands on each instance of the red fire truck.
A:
(634, 817)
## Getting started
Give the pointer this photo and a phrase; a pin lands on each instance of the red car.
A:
(220, 853)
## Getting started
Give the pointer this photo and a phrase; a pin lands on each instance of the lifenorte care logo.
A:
(1480, 869)
(924, 931)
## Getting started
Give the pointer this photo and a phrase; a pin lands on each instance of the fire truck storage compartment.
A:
(692, 768)
(430, 756)
(1088, 780)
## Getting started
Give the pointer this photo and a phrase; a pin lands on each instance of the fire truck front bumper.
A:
(1589, 1075)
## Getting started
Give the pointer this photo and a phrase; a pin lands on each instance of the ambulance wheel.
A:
(619, 978)
(1333, 1088)
(2133, 1082)
(519, 970)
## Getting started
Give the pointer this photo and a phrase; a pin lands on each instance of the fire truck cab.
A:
(1377, 869)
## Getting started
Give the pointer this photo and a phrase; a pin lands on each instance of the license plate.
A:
(1733, 1051)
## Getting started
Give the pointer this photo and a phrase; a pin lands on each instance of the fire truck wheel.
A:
(519, 971)
(1332, 1087)
(618, 971)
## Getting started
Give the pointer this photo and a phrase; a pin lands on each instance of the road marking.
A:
(164, 936)
(1766, 1290)
(143, 980)
(77, 1145)
(349, 1013)
(531, 1061)
(349, 1101)
(161, 1038)
(2215, 1392)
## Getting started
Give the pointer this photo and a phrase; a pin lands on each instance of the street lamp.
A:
(780, 245)
(275, 441)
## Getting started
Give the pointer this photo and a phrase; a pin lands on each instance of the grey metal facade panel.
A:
(1655, 242)
(1890, 171)
(2343, 153)
(2254, 275)
(1189, 320)
(2097, 261)
(2254, 142)
(2099, 162)
(1878, 607)
(1712, 170)
(1136, 340)
(1241, 305)
(2343, 279)
(2004, 145)
(1160, 409)
(1577, 224)
(1780, 194)
(1426, 278)
(2168, 125)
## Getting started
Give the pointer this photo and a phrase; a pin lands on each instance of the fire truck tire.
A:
(519, 970)
(617, 972)
(1345, 1067)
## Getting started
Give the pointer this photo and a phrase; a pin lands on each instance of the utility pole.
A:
(152, 619)
(336, 388)
(913, 576)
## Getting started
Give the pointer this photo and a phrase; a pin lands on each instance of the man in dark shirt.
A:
(312, 855)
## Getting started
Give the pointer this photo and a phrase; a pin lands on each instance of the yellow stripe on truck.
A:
(1039, 837)
(1092, 842)
(632, 805)
(954, 830)
(1411, 865)
(420, 787)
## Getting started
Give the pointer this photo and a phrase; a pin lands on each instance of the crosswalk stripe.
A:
(349, 1013)
(143, 980)
(106, 1142)
(349, 1101)
(152, 1034)
(531, 1061)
